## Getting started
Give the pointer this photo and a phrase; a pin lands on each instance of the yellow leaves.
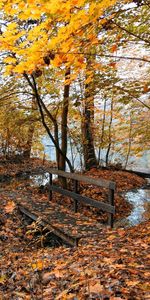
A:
(51, 7)
(10, 207)
(38, 265)
(92, 8)
(88, 80)
(29, 10)
(20, 68)
(3, 279)
(8, 70)
(56, 62)
(1, 4)
(10, 38)
(30, 45)
(21, 5)
(12, 27)
(9, 9)
(97, 9)
(10, 60)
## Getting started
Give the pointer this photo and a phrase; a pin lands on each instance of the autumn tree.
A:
(40, 37)
(19, 119)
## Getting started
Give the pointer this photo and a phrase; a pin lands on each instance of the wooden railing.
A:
(76, 178)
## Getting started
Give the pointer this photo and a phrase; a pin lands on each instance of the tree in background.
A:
(19, 120)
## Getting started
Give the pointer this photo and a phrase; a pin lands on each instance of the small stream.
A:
(140, 201)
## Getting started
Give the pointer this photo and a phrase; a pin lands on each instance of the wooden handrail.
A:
(101, 205)
(98, 182)
(110, 185)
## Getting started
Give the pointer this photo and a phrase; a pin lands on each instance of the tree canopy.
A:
(76, 57)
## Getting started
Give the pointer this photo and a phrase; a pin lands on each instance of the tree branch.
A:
(130, 94)
(131, 33)
(45, 125)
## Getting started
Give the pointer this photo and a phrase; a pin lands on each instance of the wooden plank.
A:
(70, 240)
(101, 205)
(111, 201)
(75, 200)
(98, 182)
(50, 183)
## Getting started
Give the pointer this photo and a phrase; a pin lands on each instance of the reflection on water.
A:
(140, 200)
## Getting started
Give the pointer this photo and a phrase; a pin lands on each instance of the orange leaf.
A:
(38, 265)
(10, 207)
(132, 283)
(145, 88)
(113, 48)
(112, 64)
(95, 288)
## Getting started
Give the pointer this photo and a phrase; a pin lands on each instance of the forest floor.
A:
(111, 267)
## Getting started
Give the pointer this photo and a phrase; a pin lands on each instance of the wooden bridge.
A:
(71, 226)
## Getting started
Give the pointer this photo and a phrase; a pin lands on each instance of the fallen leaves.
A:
(95, 287)
(99, 268)
(37, 265)
(10, 206)
(112, 264)
(3, 279)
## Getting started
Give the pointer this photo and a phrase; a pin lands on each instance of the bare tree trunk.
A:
(64, 133)
(130, 141)
(87, 125)
(109, 137)
(102, 134)
(64, 122)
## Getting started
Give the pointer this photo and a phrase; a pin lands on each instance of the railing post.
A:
(50, 183)
(76, 191)
(111, 201)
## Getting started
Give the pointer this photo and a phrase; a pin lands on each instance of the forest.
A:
(74, 75)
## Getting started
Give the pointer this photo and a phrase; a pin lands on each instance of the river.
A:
(135, 163)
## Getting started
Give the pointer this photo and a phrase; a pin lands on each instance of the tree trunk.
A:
(87, 124)
(33, 85)
(64, 120)
(102, 134)
(109, 136)
(129, 142)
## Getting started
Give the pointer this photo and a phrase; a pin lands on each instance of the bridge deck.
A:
(69, 226)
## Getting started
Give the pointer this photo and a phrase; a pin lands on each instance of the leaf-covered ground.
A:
(112, 266)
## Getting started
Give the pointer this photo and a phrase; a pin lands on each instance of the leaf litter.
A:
(113, 265)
